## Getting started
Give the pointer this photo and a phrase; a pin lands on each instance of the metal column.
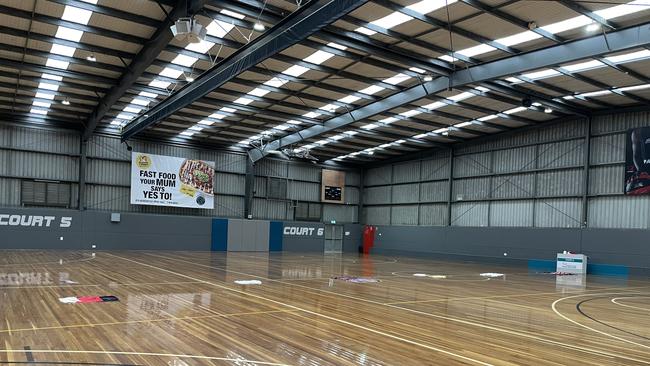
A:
(83, 161)
(585, 187)
(450, 185)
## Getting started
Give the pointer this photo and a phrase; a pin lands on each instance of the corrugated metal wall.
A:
(528, 178)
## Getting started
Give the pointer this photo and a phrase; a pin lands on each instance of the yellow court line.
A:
(462, 321)
(86, 325)
(405, 340)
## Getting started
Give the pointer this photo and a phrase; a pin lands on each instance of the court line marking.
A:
(127, 353)
(91, 285)
(44, 263)
(449, 353)
(554, 307)
(173, 318)
(462, 321)
(630, 306)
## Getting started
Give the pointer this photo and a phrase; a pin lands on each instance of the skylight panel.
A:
(463, 124)
(90, 1)
(311, 114)
(52, 77)
(337, 46)
(294, 122)
(366, 31)
(131, 109)
(596, 93)
(513, 80)
(77, 15)
(448, 58)
(427, 6)
(397, 79)
(295, 70)
(629, 57)
(124, 116)
(62, 50)
(542, 74)
(171, 73)
(142, 102)
(232, 14)
(217, 116)
(228, 110)
(568, 24)
(48, 86)
(323, 142)
(197, 128)
(206, 122)
(187, 133)
(244, 142)
(218, 28)
(276, 82)
(417, 69)
(389, 120)
(184, 60)
(329, 107)
(38, 111)
(372, 89)
(318, 57)
(244, 101)
(410, 113)
(308, 146)
(160, 84)
(370, 126)
(42, 104)
(391, 20)
(116, 122)
(461, 96)
(338, 137)
(515, 110)
(518, 38)
(147, 94)
(635, 87)
(57, 63)
(258, 92)
(487, 118)
(69, 34)
(441, 130)
(620, 10)
(476, 50)
(482, 89)
(594, 64)
(349, 99)
(421, 136)
(201, 47)
(282, 127)
(434, 105)
(44, 96)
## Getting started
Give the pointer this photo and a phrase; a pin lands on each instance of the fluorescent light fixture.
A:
(487, 118)
(44, 96)
(147, 94)
(196, 128)
(48, 86)
(366, 31)
(338, 137)
(421, 136)
(65, 101)
(629, 57)
(370, 126)
(62, 50)
(596, 93)
(625, 9)
(427, 6)
(515, 110)
(201, 47)
(635, 87)
(244, 101)
(482, 89)
(69, 34)
(434, 105)
(295, 70)
(518, 38)
(548, 110)
(513, 80)
(282, 127)
(323, 142)
(52, 77)
(228, 110)
(350, 133)
(594, 64)
(116, 123)
(386, 145)
(542, 74)
(391, 20)
(372, 89)
(311, 114)
(57, 63)
(537, 104)
(187, 133)
(318, 57)
(294, 122)
(410, 113)
(91, 58)
(441, 130)
(232, 14)
(565, 25)
(329, 107)
(124, 116)
(389, 120)
(258, 92)
(349, 99)
(184, 60)
(448, 58)
(244, 142)
(399, 142)
(160, 84)
(397, 79)
(427, 78)
(38, 111)
(276, 82)
(42, 104)
(217, 116)
(476, 50)
(463, 124)
(171, 73)
(337, 46)
(461, 96)
(72, 14)
(593, 27)
(130, 109)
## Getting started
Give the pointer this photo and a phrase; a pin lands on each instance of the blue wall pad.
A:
(219, 235)
(607, 269)
(275, 236)
(541, 265)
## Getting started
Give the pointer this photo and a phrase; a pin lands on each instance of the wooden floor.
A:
(183, 308)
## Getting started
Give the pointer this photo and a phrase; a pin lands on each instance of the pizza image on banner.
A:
(159, 180)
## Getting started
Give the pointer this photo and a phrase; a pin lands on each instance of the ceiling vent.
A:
(189, 29)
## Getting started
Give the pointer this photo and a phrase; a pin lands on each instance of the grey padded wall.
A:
(248, 236)
(530, 178)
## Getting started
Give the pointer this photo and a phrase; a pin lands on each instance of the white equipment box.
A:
(572, 263)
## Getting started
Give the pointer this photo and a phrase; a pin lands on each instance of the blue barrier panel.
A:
(607, 269)
(541, 265)
(275, 236)
(219, 235)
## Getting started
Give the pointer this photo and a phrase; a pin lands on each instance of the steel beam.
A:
(145, 57)
(637, 36)
(302, 23)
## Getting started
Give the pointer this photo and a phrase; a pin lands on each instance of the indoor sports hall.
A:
(325, 182)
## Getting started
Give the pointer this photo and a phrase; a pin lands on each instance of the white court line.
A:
(554, 307)
(449, 353)
(126, 353)
(462, 321)
(630, 306)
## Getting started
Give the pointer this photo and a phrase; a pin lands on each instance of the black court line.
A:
(28, 354)
(603, 323)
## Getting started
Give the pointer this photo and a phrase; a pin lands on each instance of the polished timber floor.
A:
(183, 308)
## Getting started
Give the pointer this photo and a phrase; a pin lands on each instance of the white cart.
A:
(572, 263)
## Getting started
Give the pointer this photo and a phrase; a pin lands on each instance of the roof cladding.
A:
(60, 58)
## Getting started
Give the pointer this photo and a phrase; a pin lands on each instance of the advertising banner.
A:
(637, 161)
(159, 180)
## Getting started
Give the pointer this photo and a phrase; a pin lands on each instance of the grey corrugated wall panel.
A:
(513, 186)
(303, 191)
(561, 154)
(511, 213)
(619, 122)
(271, 210)
(406, 172)
(304, 172)
(469, 214)
(471, 188)
(514, 160)
(352, 178)
(376, 195)
(376, 176)
(229, 183)
(44, 166)
(377, 215)
(606, 179)
(472, 164)
(405, 193)
(9, 192)
(607, 149)
(562, 212)
(404, 215)
(271, 168)
(108, 172)
(169, 150)
(340, 213)
(228, 206)
(5, 162)
(40, 140)
(108, 198)
(107, 147)
(620, 212)
(225, 162)
(352, 195)
(435, 169)
(433, 214)
(563, 130)
(434, 191)
(560, 183)
(259, 187)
